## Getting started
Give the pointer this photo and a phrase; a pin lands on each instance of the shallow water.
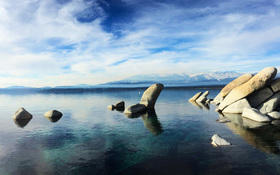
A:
(90, 139)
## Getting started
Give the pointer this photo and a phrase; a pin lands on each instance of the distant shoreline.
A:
(98, 89)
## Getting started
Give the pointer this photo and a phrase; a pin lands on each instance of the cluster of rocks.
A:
(256, 97)
(147, 101)
(22, 117)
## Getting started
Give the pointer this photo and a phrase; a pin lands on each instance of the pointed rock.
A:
(203, 97)
(150, 96)
(237, 82)
(259, 81)
(119, 104)
(22, 114)
(195, 96)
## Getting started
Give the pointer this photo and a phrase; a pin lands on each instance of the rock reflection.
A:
(262, 136)
(151, 122)
(22, 123)
(53, 119)
(200, 105)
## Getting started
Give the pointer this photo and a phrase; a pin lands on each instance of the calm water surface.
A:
(90, 139)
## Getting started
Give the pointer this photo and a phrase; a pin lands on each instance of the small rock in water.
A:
(222, 120)
(53, 114)
(119, 104)
(22, 114)
(219, 141)
(111, 107)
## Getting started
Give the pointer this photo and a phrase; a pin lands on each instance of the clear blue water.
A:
(90, 139)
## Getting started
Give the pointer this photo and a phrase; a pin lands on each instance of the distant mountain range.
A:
(203, 79)
(169, 80)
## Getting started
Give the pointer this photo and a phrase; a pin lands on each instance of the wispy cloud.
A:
(55, 42)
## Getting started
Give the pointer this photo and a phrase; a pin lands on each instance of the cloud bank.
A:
(69, 42)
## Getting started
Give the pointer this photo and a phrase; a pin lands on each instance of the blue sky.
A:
(69, 42)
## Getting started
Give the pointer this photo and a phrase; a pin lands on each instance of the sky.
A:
(71, 42)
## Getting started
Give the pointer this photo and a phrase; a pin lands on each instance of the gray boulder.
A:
(274, 115)
(237, 107)
(255, 115)
(22, 114)
(203, 97)
(258, 97)
(275, 85)
(135, 109)
(196, 96)
(53, 114)
(270, 104)
(150, 96)
(259, 81)
(219, 141)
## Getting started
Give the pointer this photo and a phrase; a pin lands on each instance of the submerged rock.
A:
(22, 114)
(219, 141)
(237, 82)
(259, 81)
(255, 115)
(195, 97)
(150, 96)
(53, 114)
(203, 97)
(152, 123)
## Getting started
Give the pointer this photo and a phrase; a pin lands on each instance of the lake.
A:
(90, 139)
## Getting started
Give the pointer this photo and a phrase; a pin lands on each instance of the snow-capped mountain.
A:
(215, 78)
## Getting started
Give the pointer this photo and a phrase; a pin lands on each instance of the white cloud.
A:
(44, 38)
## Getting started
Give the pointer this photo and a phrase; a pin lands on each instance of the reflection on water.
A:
(151, 122)
(89, 139)
(200, 105)
(263, 136)
(22, 123)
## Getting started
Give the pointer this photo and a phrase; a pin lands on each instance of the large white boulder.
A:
(237, 107)
(255, 115)
(259, 81)
(22, 114)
